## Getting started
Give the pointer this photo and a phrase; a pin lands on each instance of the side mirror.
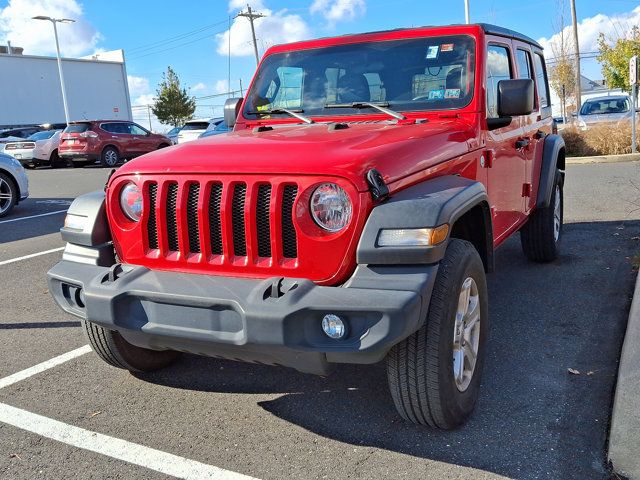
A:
(231, 111)
(515, 97)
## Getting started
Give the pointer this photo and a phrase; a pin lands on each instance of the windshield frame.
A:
(247, 113)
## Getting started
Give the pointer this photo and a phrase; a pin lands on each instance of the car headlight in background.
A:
(131, 201)
(330, 207)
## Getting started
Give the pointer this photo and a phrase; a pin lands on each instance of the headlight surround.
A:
(331, 207)
(131, 201)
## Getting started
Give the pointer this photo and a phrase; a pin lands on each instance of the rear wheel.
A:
(116, 351)
(8, 194)
(110, 157)
(541, 235)
(434, 375)
(54, 159)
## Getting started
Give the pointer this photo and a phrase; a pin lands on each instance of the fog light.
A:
(333, 326)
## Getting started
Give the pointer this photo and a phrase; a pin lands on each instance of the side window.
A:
(524, 64)
(107, 127)
(136, 130)
(541, 80)
(498, 68)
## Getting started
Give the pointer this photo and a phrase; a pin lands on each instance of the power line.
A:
(177, 46)
(151, 46)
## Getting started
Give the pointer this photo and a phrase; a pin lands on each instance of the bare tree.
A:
(563, 79)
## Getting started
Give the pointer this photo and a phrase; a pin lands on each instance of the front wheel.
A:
(116, 351)
(541, 235)
(434, 374)
(8, 195)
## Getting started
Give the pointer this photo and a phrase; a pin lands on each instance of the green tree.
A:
(562, 75)
(614, 57)
(173, 105)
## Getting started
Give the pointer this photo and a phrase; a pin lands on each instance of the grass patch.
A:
(598, 140)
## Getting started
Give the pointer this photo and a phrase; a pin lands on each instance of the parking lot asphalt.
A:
(534, 419)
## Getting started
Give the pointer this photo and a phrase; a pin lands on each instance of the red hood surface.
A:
(396, 150)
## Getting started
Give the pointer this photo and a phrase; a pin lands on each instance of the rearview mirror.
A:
(515, 97)
(231, 111)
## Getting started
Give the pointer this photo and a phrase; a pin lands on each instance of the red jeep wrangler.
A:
(350, 216)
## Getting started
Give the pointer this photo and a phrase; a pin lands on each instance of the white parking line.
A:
(114, 447)
(26, 257)
(41, 367)
(33, 216)
(134, 453)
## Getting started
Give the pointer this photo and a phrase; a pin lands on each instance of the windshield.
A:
(195, 126)
(434, 73)
(607, 105)
(42, 135)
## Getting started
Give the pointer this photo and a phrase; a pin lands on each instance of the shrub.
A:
(598, 140)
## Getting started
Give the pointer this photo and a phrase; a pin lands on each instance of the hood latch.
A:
(379, 190)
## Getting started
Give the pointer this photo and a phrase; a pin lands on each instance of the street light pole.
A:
(55, 33)
(466, 12)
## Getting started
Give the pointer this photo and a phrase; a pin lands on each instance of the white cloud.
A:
(221, 86)
(145, 99)
(274, 28)
(36, 36)
(137, 85)
(198, 87)
(614, 26)
(339, 10)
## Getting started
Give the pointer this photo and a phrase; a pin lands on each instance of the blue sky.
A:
(189, 35)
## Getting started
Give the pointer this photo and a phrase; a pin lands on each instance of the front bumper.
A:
(273, 321)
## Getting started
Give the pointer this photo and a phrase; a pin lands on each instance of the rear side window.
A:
(498, 68)
(524, 64)
(541, 80)
(77, 128)
(196, 126)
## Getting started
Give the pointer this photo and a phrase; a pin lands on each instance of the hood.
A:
(394, 149)
(604, 117)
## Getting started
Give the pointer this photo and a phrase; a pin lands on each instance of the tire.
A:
(55, 160)
(541, 235)
(420, 369)
(117, 352)
(110, 157)
(8, 194)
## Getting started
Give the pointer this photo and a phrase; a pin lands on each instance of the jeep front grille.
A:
(250, 220)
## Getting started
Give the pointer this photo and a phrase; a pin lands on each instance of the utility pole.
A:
(252, 16)
(229, 65)
(149, 113)
(466, 12)
(576, 46)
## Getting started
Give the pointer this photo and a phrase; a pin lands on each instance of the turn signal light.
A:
(413, 237)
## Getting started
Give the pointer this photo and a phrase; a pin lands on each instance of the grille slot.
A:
(192, 217)
(237, 213)
(215, 231)
(172, 221)
(289, 238)
(152, 224)
(263, 221)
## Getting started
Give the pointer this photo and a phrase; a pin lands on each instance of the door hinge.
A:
(526, 190)
(486, 159)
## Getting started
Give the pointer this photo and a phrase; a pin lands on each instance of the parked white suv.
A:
(194, 128)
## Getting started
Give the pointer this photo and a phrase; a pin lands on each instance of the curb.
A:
(625, 157)
(624, 436)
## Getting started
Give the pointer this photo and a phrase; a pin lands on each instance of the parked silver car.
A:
(604, 110)
(14, 184)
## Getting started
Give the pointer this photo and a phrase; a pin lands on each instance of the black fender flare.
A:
(95, 230)
(553, 146)
(428, 204)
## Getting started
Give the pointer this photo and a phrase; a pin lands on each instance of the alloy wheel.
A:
(6, 195)
(466, 334)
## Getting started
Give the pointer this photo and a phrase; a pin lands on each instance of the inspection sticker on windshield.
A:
(436, 94)
(452, 93)
(446, 47)
(432, 52)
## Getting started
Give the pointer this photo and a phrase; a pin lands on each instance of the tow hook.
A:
(379, 190)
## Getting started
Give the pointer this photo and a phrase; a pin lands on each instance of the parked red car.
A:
(108, 141)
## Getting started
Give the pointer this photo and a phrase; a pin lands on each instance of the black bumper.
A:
(273, 321)
(79, 156)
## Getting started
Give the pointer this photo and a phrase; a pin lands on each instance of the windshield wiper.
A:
(293, 113)
(380, 106)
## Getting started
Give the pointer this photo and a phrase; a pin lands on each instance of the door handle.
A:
(522, 143)
(540, 134)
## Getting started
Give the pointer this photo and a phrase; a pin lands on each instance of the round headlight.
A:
(131, 201)
(331, 207)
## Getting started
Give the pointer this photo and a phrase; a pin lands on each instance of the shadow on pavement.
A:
(534, 419)
(37, 226)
